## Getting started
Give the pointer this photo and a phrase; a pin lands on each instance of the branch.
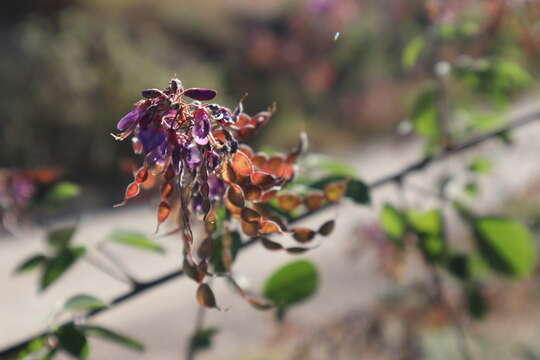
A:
(397, 177)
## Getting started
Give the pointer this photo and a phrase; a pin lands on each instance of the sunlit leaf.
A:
(31, 263)
(412, 51)
(58, 265)
(393, 223)
(292, 283)
(136, 240)
(62, 192)
(113, 336)
(426, 222)
(73, 340)
(481, 165)
(506, 245)
(83, 302)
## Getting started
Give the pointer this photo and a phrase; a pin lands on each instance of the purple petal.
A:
(150, 138)
(217, 186)
(201, 128)
(200, 94)
(129, 120)
(193, 157)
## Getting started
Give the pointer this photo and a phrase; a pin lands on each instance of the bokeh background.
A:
(336, 69)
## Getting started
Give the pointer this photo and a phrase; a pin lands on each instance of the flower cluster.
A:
(193, 147)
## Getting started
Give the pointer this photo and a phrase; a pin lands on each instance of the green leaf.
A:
(73, 340)
(113, 336)
(216, 259)
(393, 223)
(60, 238)
(480, 165)
(506, 245)
(477, 304)
(459, 266)
(292, 283)
(424, 115)
(58, 265)
(136, 240)
(84, 302)
(62, 192)
(356, 190)
(471, 189)
(329, 165)
(426, 222)
(31, 350)
(433, 247)
(412, 51)
(31, 263)
(202, 339)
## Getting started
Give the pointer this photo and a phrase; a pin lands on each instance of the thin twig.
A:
(117, 263)
(105, 269)
(395, 177)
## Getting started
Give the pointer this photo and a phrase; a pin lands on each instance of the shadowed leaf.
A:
(327, 228)
(113, 336)
(60, 238)
(31, 263)
(202, 339)
(58, 265)
(73, 340)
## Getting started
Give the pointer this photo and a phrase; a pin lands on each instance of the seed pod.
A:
(303, 235)
(289, 202)
(327, 228)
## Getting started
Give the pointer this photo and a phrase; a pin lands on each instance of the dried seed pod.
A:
(141, 175)
(205, 296)
(241, 164)
(269, 244)
(250, 215)
(163, 212)
(235, 195)
(335, 191)
(166, 190)
(250, 228)
(303, 235)
(252, 192)
(314, 201)
(269, 227)
(132, 190)
(264, 180)
(327, 228)
(289, 202)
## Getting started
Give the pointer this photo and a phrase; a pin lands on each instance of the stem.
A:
(421, 164)
(105, 269)
(119, 265)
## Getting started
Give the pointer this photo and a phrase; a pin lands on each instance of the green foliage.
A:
(73, 340)
(393, 223)
(56, 266)
(412, 51)
(31, 263)
(202, 339)
(136, 240)
(216, 258)
(62, 193)
(506, 245)
(477, 304)
(328, 165)
(424, 116)
(291, 284)
(428, 225)
(480, 165)
(59, 239)
(83, 302)
(113, 336)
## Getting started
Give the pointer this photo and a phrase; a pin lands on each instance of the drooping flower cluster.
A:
(193, 147)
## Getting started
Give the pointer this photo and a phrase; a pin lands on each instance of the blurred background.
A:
(349, 72)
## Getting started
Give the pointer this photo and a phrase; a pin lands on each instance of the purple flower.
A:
(200, 94)
(217, 187)
(193, 156)
(150, 138)
(201, 127)
(129, 120)
(176, 160)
